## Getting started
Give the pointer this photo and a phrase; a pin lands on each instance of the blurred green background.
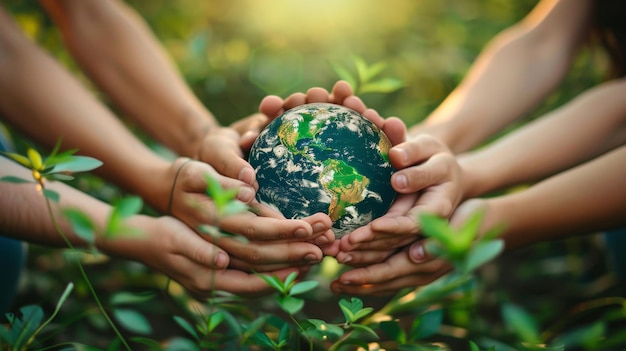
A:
(233, 53)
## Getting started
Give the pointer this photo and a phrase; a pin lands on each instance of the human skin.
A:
(437, 178)
(59, 107)
(585, 196)
(512, 75)
(165, 244)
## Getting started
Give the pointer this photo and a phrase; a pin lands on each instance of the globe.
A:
(326, 158)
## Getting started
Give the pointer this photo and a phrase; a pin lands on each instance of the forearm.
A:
(512, 75)
(45, 102)
(590, 125)
(119, 52)
(583, 200)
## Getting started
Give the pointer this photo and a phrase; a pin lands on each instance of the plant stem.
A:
(83, 273)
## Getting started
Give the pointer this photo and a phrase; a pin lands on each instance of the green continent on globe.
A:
(324, 158)
(345, 184)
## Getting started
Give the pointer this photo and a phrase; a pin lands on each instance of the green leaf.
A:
(350, 308)
(52, 195)
(274, 282)
(81, 224)
(214, 320)
(58, 176)
(132, 320)
(393, 331)
(128, 206)
(303, 287)
(321, 330)
(25, 326)
(77, 164)
(17, 158)
(362, 313)
(284, 333)
(35, 158)
(384, 85)
(586, 336)
(181, 344)
(473, 346)
(125, 297)
(232, 207)
(365, 329)
(15, 180)
(289, 281)
(437, 228)
(185, 325)
(520, 322)
(481, 253)
(290, 304)
(262, 339)
(374, 70)
(427, 324)
(344, 74)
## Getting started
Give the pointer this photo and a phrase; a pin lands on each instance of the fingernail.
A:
(221, 260)
(311, 258)
(346, 259)
(345, 282)
(246, 194)
(318, 227)
(301, 233)
(246, 175)
(417, 253)
(321, 241)
(400, 181)
(401, 154)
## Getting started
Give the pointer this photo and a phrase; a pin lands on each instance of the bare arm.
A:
(47, 103)
(587, 198)
(120, 53)
(590, 125)
(515, 72)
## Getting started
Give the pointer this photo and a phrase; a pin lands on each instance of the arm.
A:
(587, 198)
(119, 52)
(514, 73)
(588, 126)
(47, 103)
(57, 106)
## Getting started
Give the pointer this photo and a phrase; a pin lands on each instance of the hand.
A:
(428, 180)
(172, 248)
(409, 268)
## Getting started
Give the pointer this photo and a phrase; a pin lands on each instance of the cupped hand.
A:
(428, 179)
(172, 248)
(409, 268)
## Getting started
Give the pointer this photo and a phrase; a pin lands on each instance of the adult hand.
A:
(172, 248)
(409, 268)
(428, 181)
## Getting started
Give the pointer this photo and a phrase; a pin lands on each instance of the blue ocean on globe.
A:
(326, 158)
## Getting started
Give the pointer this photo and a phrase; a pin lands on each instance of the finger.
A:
(192, 247)
(415, 151)
(374, 117)
(258, 228)
(229, 160)
(271, 106)
(355, 103)
(294, 100)
(192, 179)
(245, 266)
(437, 170)
(317, 95)
(254, 123)
(363, 258)
(341, 90)
(395, 129)
(293, 253)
